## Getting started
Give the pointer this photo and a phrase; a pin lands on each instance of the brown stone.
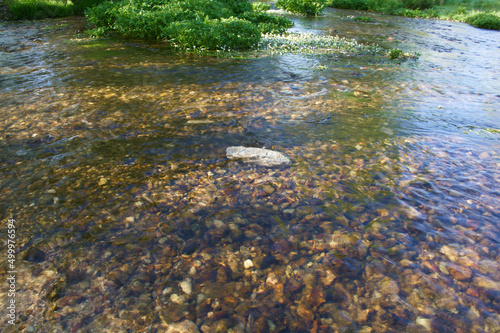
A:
(486, 283)
(363, 315)
(459, 272)
(388, 286)
(304, 312)
(316, 297)
(472, 292)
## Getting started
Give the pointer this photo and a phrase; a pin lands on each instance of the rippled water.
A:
(129, 217)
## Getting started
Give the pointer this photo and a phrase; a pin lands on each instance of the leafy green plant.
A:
(200, 24)
(350, 4)
(268, 24)
(306, 7)
(484, 21)
(226, 34)
(427, 13)
(36, 9)
(260, 6)
(418, 4)
(33, 9)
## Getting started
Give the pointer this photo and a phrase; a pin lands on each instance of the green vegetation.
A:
(260, 6)
(305, 7)
(205, 24)
(305, 43)
(36, 9)
(484, 21)
(397, 54)
(365, 19)
(479, 13)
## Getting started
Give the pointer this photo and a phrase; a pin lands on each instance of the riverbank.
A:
(479, 13)
(39, 9)
(483, 14)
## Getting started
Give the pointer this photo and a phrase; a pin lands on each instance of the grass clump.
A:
(385, 6)
(365, 19)
(38, 9)
(206, 24)
(397, 54)
(484, 21)
(305, 7)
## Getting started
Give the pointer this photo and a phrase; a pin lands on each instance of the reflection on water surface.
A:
(129, 216)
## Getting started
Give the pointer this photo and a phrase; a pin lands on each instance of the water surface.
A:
(130, 218)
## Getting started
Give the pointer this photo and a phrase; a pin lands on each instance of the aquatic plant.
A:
(363, 19)
(305, 7)
(209, 24)
(397, 54)
(307, 43)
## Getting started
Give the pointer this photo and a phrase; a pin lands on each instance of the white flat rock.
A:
(259, 156)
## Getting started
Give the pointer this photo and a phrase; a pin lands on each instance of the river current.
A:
(129, 217)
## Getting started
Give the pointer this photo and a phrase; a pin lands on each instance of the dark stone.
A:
(190, 247)
(74, 276)
(34, 255)
(268, 261)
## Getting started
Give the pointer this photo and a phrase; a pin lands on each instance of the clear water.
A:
(113, 166)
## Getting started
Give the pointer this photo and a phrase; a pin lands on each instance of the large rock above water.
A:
(259, 156)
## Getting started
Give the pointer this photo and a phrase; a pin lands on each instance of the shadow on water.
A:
(130, 215)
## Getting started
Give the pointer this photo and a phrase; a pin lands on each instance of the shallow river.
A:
(130, 218)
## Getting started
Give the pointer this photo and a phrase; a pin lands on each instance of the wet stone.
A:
(268, 261)
(458, 272)
(268, 189)
(486, 283)
(186, 286)
(185, 326)
(261, 156)
(34, 255)
(175, 298)
(388, 286)
(248, 264)
(46, 200)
